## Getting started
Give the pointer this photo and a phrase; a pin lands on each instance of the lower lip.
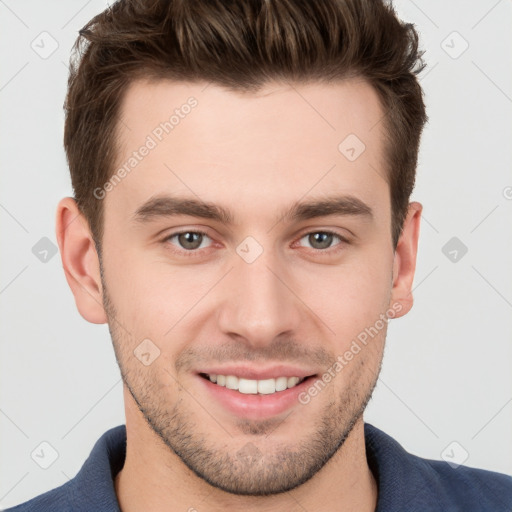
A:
(256, 407)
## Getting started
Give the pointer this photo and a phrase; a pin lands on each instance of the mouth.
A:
(253, 386)
(253, 394)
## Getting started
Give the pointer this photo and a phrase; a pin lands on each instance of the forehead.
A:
(255, 150)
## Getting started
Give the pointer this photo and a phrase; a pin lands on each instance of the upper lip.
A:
(253, 373)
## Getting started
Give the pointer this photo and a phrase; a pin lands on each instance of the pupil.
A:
(320, 240)
(190, 240)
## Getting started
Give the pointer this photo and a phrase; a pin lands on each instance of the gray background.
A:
(447, 368)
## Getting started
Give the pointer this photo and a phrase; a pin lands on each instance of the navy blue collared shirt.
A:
(406, 482)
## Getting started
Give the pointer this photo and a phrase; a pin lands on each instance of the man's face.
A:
(265, 297)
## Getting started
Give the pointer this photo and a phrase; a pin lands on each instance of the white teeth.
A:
(253, 387)
(248, 387)
(281, 383)
(292, 381)
(267, 386)
(231, 382)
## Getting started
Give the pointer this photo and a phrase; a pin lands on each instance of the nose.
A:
(258, 302)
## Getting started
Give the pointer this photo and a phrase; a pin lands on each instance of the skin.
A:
(255, 154)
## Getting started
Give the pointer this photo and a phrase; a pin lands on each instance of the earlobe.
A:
(80, 260)
(404, 264)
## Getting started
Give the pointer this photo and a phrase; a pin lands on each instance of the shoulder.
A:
(468, 488)
(409, 482)
(93, 487)
(56, 500)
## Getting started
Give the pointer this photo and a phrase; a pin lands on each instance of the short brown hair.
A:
(240, 45)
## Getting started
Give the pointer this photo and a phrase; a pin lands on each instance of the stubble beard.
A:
(249, 470)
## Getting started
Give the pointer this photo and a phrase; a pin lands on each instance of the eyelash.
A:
(195, 252)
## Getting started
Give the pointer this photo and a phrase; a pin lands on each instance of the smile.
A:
(254, 387)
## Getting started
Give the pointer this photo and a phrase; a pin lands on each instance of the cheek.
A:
(351, 296)
(151, 296)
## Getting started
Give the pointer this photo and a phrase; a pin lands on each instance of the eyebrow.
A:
(163, 206)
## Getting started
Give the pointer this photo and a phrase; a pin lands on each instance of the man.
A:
(242, 173)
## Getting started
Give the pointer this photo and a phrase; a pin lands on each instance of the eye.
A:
(321, 240)
(189, 240)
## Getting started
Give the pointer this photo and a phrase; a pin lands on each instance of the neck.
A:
(155, 479)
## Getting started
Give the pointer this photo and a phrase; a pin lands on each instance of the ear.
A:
(404, 263)
(80, 260)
